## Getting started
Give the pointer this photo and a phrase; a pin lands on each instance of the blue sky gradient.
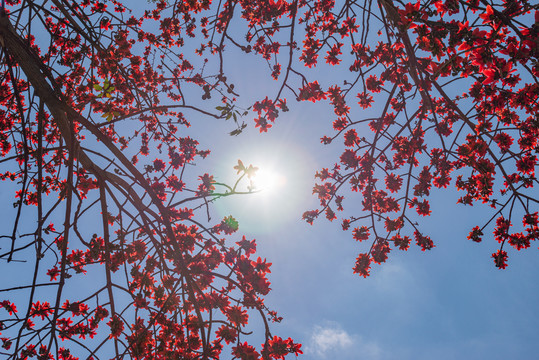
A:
(447, 303)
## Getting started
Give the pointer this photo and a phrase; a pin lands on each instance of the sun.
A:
(272, 182)
(268, 180)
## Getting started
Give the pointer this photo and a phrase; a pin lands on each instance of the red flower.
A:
(53, 273)
(350, 137)
(11, 308)
(379, 251)
(116, 327)
(349, 159)
(402, 242)
(526, 164)
(393, 182)
(487, 15)
(500, 259)
(245, 351)
(278, 348)
(373, 84)
(424, 241)
(332, 55)
(365, 100)
(41, 310)
(312, 92)
(237, 315)
(207, 185)
(475, 234)
(227, 333)
(158, 165)
(362, 267)
(423, 208)
(361, 233)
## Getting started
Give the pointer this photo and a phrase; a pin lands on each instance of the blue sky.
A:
(447, 303)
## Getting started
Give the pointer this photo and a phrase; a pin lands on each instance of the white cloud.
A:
(324, 339)
(331, 341)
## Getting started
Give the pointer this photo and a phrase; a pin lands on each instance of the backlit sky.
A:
(448, 303)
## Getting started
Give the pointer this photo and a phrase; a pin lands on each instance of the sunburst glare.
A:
(274, 189)
(268, 180)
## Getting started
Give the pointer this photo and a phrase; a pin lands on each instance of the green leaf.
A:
(231, 222)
